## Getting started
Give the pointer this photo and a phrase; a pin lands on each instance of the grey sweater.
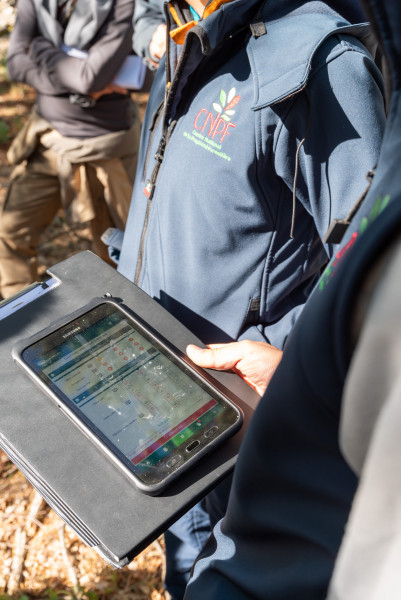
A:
(34, 60)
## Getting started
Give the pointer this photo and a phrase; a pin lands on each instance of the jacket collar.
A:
(178, 35)
(226, 20)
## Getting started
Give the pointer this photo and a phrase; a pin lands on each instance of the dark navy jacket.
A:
(292, 489)
(212, 241)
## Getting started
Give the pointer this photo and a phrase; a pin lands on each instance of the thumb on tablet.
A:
(216, 356)
(254, 361)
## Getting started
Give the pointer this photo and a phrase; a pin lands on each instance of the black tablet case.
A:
(81, 484)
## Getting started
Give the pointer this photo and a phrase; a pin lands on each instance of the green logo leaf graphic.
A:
(222, 98)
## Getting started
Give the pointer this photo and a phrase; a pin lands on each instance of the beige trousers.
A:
(98, 192)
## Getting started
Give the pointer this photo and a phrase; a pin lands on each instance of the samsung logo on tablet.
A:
(71, 332)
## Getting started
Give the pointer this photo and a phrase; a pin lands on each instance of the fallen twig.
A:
(69, 566)
(18, 561)
(19, 549)
(34, 510)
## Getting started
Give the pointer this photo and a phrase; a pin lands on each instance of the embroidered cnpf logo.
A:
(217, 124)
(211, 128)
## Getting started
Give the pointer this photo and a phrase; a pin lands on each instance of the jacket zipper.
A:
(167, 131)
(150, 188)
(153, 128)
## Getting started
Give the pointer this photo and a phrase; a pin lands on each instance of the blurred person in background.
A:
(79, 148)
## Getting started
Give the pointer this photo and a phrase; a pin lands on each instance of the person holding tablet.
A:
(262, 123)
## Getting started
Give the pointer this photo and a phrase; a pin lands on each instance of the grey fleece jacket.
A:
(33, 59)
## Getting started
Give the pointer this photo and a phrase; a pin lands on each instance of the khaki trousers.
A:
(34, 197)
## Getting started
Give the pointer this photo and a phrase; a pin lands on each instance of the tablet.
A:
(132, 393)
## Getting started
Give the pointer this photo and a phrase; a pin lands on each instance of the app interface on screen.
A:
(132, 392)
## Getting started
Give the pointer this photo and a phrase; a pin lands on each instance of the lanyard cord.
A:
(301, 143)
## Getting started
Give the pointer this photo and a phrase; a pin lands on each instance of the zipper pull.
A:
(149, 189)
(160, 152)
(150, 185)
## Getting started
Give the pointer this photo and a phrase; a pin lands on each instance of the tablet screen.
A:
(143, 400)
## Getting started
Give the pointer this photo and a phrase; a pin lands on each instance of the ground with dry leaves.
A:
(40, 557)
